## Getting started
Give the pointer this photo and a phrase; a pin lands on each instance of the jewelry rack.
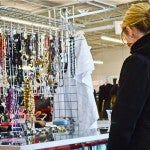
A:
(50, 64)
(23, 15)
(65, 98)
(48, 55)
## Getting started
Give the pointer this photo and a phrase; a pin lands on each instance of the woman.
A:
(130, 127)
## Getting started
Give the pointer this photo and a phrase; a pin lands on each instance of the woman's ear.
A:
(130, 31)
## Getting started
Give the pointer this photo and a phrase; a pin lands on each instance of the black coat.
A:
(130, 127)
(104, 94)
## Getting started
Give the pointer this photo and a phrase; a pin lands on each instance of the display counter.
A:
(62, 141)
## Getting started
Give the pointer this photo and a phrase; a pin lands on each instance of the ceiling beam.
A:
(105, 3)
(97, 5)
(99, 28)
(103, 20)
(37, 4)
(91, 13)
(40, 11)
(68, 4)
(103, 46)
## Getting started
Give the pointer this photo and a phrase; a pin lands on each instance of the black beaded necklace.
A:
(72, 56)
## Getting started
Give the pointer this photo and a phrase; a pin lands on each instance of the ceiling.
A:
(94, 17)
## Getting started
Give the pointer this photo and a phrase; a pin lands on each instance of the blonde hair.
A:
(138, 15)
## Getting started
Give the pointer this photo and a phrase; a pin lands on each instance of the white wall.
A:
(113, 59)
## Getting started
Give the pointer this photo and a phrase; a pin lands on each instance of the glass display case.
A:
(43, 140)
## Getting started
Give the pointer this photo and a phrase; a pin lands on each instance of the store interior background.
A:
(96, 18)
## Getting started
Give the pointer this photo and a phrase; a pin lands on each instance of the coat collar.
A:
(142, 46)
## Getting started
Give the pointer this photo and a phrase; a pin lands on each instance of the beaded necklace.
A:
(72, 56)
(29, 104)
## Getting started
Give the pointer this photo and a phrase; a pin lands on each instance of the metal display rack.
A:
(23, 15)
(48, 68)
(50, 62)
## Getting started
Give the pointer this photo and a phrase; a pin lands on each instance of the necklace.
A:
(72, 56)
(29, 104)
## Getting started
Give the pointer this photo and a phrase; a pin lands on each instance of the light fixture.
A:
(98, 62)
(26, 22)
(111, 39)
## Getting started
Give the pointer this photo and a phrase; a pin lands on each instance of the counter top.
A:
(59, 142)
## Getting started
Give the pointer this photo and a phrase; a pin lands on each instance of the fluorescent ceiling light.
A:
(98, 62)
(111, 39)
(26, 23)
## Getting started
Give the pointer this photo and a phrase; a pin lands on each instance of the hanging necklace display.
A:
(29, 48)
(61, 60)
(2, 63)
(24, 56)
(13, 63)
(53, 43)
(51, 70)
(52, 54)
(9, 102)
(15, 106)
(64, 39)
(45, 55)
(27, 54)
(46, 43)
(4, 60)
(63, 53)
(72, 56)
(29, 104)
(1, 48)
(36, 48)
(17, 57)
(37, 62)
(8, 55)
